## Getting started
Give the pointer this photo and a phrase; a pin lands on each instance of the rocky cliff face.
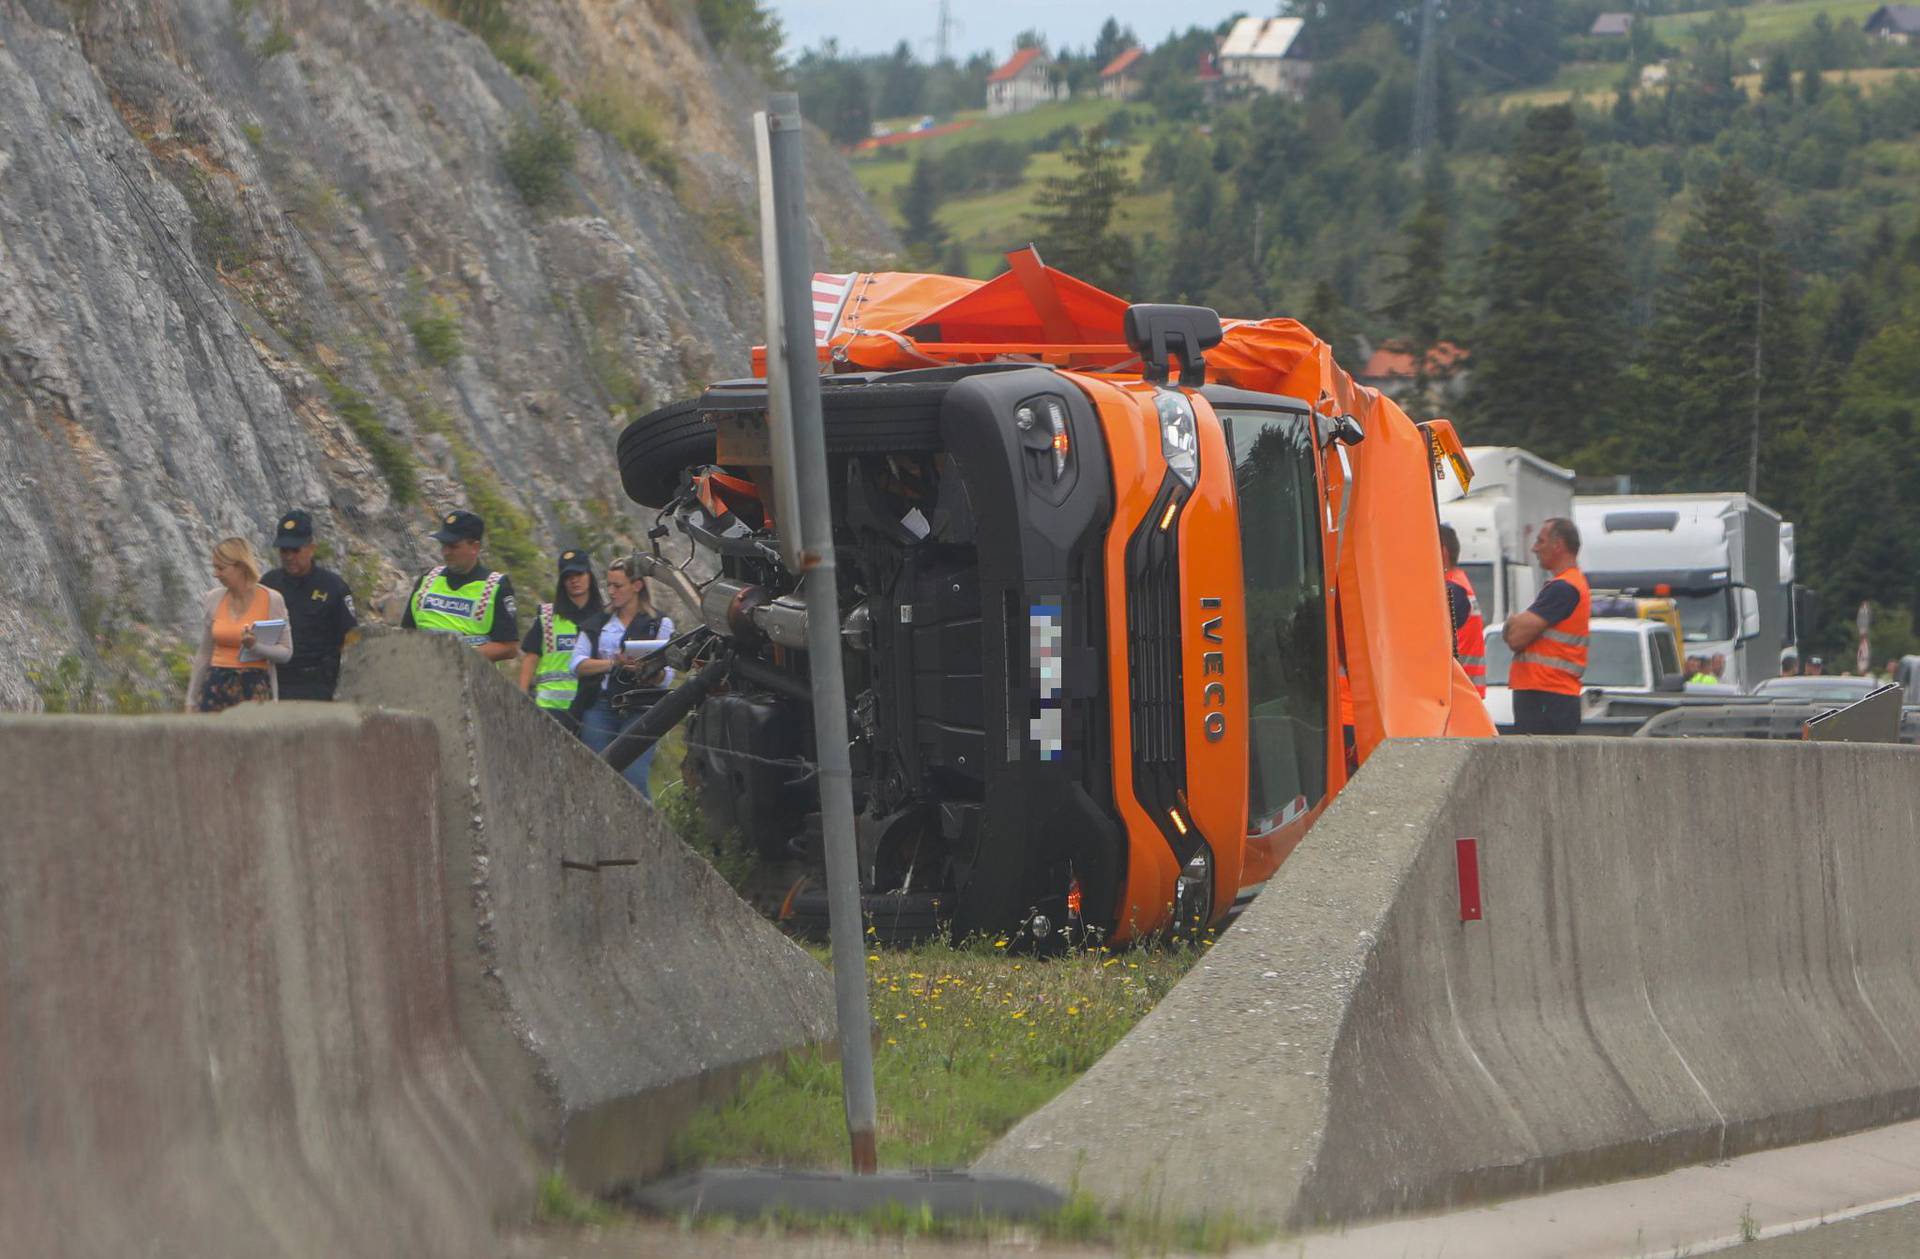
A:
(337, 254)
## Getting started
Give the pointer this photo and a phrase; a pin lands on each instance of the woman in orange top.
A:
(232, 665)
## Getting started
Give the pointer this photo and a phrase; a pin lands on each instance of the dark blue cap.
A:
(294, 531)
(574, 562)
(460, 526)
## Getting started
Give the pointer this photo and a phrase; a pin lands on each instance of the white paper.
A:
(265, 634)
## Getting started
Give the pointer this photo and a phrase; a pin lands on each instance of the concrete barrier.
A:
(607, 980)
(226, 995)
(1688, 951)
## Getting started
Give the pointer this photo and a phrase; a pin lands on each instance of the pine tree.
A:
(1417, 289)
(1548, 355)
(1778, 80)
(919, 203)
(1724, 364)
(1073, 225)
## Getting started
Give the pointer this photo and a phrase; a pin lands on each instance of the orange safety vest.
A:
(1555, 661)
(1470, 640)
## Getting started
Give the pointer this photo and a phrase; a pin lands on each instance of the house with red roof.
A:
(1120, 79)
(1394, 371)
(1024, 81)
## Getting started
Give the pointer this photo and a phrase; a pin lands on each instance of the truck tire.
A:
(656, 450)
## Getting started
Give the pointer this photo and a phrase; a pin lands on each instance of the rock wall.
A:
(257, 254)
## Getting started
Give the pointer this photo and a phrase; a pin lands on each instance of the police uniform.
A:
(320, 612)
(476, 606)
(550, 642)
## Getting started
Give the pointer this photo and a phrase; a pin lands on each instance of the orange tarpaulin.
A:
(1398, 636)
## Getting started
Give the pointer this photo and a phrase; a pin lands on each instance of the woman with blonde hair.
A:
(234, 664)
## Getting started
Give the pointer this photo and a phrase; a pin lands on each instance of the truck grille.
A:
(1153, 669)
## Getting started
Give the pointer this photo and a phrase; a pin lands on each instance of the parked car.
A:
(1625, 656)
(1819, 690)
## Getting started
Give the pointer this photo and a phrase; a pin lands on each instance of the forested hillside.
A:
(1690, 255)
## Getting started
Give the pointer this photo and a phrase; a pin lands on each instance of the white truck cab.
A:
(1717, 555)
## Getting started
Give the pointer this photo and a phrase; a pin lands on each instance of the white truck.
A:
(1513, 492)
(1717, 555)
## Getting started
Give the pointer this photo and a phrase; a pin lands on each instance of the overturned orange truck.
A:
(1127, 595)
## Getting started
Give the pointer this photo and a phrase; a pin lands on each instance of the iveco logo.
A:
(1213, 665)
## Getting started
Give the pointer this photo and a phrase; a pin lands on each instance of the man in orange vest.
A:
(1469, 630)
(1549, 639)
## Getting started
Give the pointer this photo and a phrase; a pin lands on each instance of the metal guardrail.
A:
(1752, 721)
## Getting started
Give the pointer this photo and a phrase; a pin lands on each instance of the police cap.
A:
(294, 531)
(574, 562)
(460, 526)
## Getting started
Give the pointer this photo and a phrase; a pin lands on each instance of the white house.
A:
(1024, 81)
(1265, 54)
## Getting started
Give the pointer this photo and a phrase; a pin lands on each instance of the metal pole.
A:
(794, 276)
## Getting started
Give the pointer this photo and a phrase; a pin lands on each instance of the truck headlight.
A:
(1042, 423)
(1179, 435)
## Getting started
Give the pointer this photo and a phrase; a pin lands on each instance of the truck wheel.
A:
(656, 450)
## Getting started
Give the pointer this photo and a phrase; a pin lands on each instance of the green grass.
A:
(1136, 1230)
(390, 454)
(1767, 25)
(986, 225)
(614, 111)
(436, 331)
(558, 1203)
(538, 156)
(970, 1040)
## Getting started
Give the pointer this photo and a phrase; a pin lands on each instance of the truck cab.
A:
(1094, 608)
(1716, 555)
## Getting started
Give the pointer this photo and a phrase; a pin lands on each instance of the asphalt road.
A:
(1889, 1233)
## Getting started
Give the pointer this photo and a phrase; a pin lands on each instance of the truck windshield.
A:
(1706, 618)
(1614, 658)
(1286, 605)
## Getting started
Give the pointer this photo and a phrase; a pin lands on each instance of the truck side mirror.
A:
(1749, 600)
(1343, 430)
(1671, 683)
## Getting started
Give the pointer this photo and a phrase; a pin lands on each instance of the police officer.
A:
(1549, 639)
(462, 596)
(319, 608)
(547, 650)
(1469, 629)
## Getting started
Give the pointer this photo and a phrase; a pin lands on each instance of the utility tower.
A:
(943, 36)
(1426, 87)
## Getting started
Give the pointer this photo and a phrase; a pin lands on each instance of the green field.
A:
(1767, 25)
(989, 224)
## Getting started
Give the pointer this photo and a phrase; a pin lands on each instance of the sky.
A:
(877, 25)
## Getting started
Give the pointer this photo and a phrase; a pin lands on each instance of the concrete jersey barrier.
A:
(607, 980)
(226, 995)
(1688, 951)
